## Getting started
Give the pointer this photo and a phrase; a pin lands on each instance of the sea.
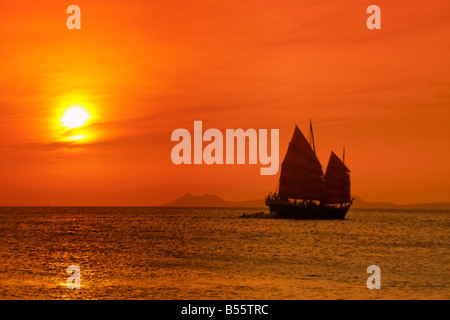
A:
(212, 253)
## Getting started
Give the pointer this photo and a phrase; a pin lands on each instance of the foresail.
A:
(301, 175)
(337, 181)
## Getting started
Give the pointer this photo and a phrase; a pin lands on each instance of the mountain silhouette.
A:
(211, 200)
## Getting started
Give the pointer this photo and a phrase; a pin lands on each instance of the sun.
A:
(75, 117)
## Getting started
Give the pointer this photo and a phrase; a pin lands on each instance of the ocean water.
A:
(180, 253)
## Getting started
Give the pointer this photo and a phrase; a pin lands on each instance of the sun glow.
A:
(75, 117)
(77, 137)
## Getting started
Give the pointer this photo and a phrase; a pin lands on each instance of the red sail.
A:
(301, 174)
(337, 181)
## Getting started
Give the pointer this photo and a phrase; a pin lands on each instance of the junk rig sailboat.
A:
(304, 191)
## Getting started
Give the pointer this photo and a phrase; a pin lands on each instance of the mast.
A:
(312, 136)
(343, 156)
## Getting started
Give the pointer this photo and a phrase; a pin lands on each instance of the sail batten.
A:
(337, 181)
(301, 175)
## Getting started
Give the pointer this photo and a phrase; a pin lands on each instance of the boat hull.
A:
(287, 210)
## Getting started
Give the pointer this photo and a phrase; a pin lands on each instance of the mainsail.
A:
(337, 181)
(301, 175)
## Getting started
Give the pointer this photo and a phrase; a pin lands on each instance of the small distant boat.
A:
(304, 191)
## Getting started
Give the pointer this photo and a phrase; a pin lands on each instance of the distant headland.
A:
(211, 200)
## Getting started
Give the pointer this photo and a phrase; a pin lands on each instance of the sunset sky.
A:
(142, 69)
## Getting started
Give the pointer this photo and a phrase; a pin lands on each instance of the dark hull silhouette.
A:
(285, 209)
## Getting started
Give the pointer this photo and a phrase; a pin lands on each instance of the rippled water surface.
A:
(171, 253)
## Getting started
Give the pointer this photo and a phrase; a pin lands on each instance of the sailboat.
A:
(304, 191)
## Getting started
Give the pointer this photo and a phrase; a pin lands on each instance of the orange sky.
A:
(146, 68)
